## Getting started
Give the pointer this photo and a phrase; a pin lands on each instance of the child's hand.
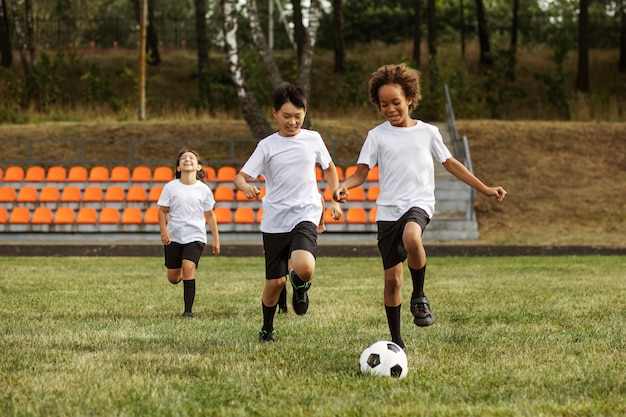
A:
(498, 192)
(166, 237)
(251, 192)
(335, 211)
(340, 195)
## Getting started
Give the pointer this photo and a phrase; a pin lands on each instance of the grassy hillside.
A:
(565, 180)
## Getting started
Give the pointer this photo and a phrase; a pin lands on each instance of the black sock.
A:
(393, 320)
(418, 276)
(268, 317)
(282, 300)
(297, 281)
(189, 293)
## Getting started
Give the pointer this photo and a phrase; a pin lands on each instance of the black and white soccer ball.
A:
(384, 359)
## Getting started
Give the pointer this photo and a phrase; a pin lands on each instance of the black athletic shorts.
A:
(176, 252)
(390, 243)
(278, 248)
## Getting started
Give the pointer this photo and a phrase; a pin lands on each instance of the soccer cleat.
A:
(265, 336)
(300, 297)
(188, 314)
(420, 307)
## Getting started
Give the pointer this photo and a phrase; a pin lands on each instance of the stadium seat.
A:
(27, 195)
(356, 194)
(77, 174)
(8, 195)
(163, 174)
(14, 173)
(120, 173)
(115, 194)
(20, 215)
(152, 215)
(319, 174)
(259, 215)
(71, 196)
(137, 194)
(223, 215)
(35, 175)
(226, 174)
(224, 193)
(99, 174)
(132, 215)
(56, 174)
(350, 170)
(87, 215)
(155, 193)
(93, 194)
(4, 217)
(64, 215)
(210, 174)
(141, 174)
(356, 215)
(1, 174)
(372, 193)
(49, 196)
(244, 215)
(328, 218)
(372, 215)
(109, 215)
(372, 175)
(42, 215)
(328, 194)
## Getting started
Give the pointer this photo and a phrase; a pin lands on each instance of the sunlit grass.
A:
(514, 337)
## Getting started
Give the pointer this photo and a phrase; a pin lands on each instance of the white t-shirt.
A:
(288, 165)
(404, 156)
(187, 205)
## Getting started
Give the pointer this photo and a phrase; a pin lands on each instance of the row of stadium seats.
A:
(122, 174)
(133, 219)
(52, 196)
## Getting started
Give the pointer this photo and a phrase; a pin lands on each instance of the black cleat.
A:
(300, 297)
(264, 336)
(420, 307)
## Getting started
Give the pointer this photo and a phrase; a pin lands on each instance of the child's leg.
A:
(303, 268)
(321, 227)
(392, 295)
(189, 285)
(416, 259)
(271, 293)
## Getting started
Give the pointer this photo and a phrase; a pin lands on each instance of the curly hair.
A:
(406, 77)
(201, 174)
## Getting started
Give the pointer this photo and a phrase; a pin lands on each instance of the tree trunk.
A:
(462, 27)
(483, 35)
(432, 28)
(622, 37)
(306, 62)
(21, 40)
(201, 37)
(267, 58)
(258, 124)
(6, 54)
(298, 26)
(417, 32)
(340, 52)
(152, 44)
(582, 78)
(513, 47)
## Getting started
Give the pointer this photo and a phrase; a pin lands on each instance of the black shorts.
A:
(278, 248)
(176, 252)
(390, 242)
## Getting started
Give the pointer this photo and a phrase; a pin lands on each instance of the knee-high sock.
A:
(189, 293)
(268, 317)
(418, 276)
(393, 320)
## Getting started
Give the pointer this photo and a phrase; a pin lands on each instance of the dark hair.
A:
(407, 78)
(199, 174)
(287, 92)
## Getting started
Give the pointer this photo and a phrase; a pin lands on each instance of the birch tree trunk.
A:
(267, 58)
(306, 62)
(250, 109)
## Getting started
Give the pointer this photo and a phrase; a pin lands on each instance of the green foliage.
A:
(104, 336)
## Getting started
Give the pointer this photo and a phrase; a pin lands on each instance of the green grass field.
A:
(522, 336)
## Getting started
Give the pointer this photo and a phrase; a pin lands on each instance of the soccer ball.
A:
(384, 359)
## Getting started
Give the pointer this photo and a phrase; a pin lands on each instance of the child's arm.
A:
(457, 169)
(332, 179)
(341, 193)
(249, 190)
(209, 216)
(166, 236)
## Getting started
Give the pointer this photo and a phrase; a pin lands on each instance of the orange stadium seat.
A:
(4, 215)
(372, 175)
(114, 194)
(163, 174)
(155, 193)
(152, 215)
(356, 194)
(224, 193)
(328, 194)
(56, 174)
(64, 215)
(210, 174)
(36, 174)
(77, 174)
(27, 194)
(136, 194)
(350, 170)
(319, 174)
(93, 194)
(132, 215)
(7, 194)
(372, 215)
(244, 215)
(42, 215)
(120, 173)
(99, 174)
(356, 215)
(223, 215)
(70, 194)
(20, 215)
(141, 173)
(109, 215)
(14, 174)
(372, 193)
(49, 194)
(259, 215)
(87, 215)
(226, 174)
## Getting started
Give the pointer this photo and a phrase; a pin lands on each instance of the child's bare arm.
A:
(341, 193)
(249, 190)
(454, 167)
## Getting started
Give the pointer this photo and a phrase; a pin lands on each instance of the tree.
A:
(513, 47)
(339, 47)
(26, 40)
(270, 68)
(622, 37)
(298, 27)
(152, 43)
(582, 78)
(417, 32)
(6, 55)
(483, 35)
(250, 109)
